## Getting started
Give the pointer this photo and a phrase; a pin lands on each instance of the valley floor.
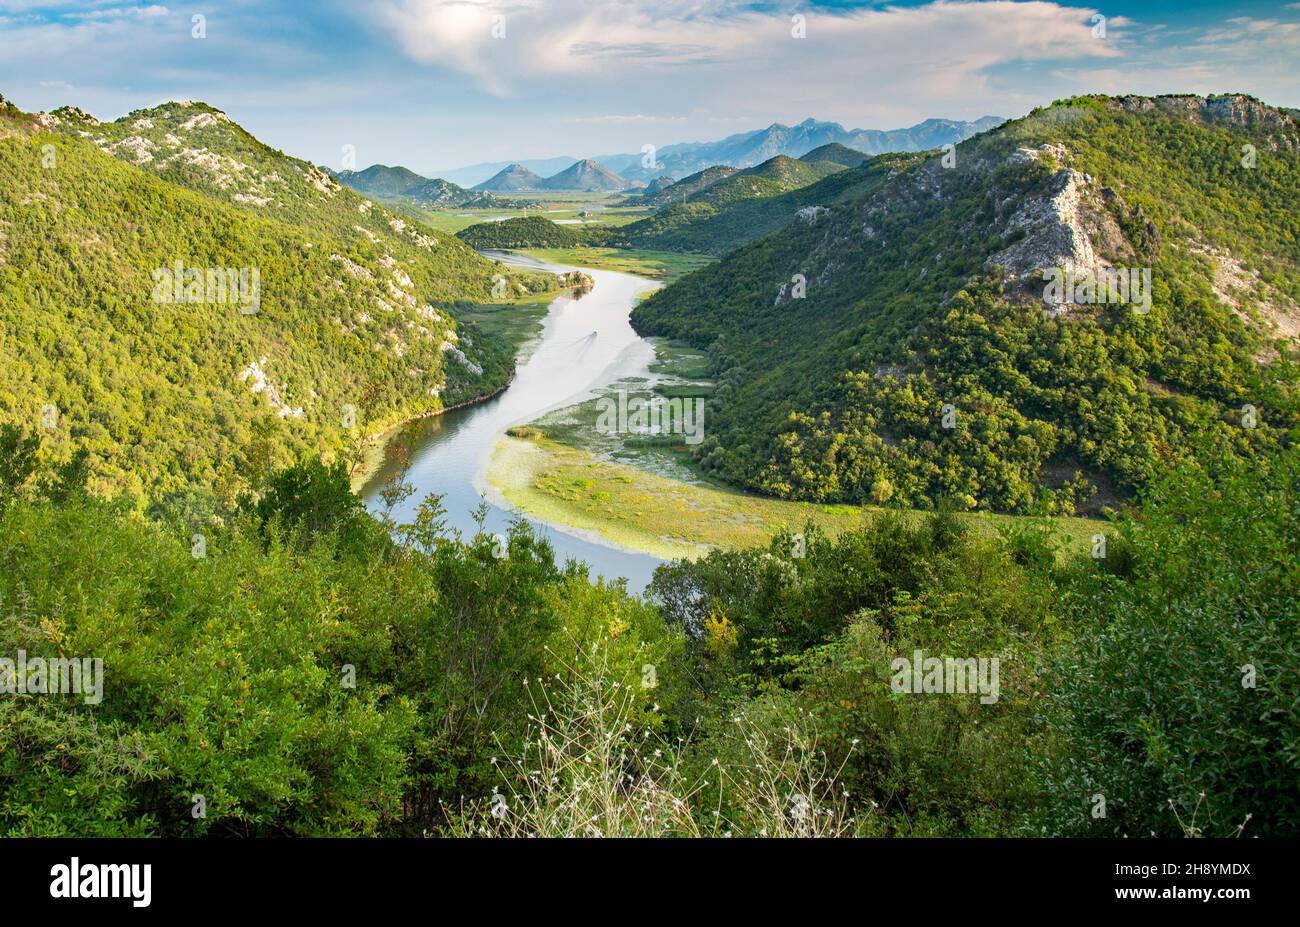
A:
(644, 494)
(637, 494)
(670, 518)
(665, 266)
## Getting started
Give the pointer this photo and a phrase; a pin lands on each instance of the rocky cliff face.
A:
(1071, 225)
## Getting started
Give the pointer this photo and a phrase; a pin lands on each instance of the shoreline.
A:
(632, 509)
(508, 481)
(374, 457)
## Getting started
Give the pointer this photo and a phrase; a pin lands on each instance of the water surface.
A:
(586, 343)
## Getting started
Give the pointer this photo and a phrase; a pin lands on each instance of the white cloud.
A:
(1257, 56)
(937, 56)
(120, 13)
(454, 34)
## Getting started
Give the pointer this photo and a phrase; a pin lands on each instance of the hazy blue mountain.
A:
(513, 178)
(474, 175)
(586, 176)
(746, 149)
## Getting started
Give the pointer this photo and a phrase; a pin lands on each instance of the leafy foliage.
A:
(1176, 700)
(305, 674)
(522, 232)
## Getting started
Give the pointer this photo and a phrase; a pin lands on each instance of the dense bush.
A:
(1176, 701)
(521, 232)
(295, 668)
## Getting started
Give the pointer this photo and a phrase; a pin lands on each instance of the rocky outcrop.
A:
(810, 214)
(1236, 109)
(576, 279)
(1067, 227)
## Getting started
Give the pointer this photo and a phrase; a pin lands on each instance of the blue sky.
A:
(441, 83)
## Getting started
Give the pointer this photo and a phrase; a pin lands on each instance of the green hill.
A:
(718, 209)
(380, 180)
(297, 300)
(922, 362)
(683, 189)
(836, 154)
(773, 176)
(521, 232)
(703, 228)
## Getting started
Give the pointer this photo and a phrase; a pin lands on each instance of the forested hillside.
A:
(347, 324)
(526, 232)
(906, 346)
(678, 191)
(702, 225)
(776, 175)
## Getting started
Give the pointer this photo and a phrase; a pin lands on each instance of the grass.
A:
(657, 265)
(678, 371)
(677, 360)
(518, 322)
(671, 518)
(574, 779)
(645, 493)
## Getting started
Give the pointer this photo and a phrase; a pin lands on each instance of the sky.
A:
(436, 84)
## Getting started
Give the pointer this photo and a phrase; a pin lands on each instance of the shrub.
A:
(1176, 703)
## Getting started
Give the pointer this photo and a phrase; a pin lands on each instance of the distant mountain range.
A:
(400, 184)
(713, 210)
(586, 176)
(612, 173)
(749, 148)
(475, 174)
(745, 149)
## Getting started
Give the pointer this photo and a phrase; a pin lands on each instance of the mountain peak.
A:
(513, 178)
(586, 175)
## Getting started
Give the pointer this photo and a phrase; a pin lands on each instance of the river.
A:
(586, 343)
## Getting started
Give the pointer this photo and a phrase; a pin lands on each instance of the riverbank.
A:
(377, 445)
(518, 322)
(670, 519)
